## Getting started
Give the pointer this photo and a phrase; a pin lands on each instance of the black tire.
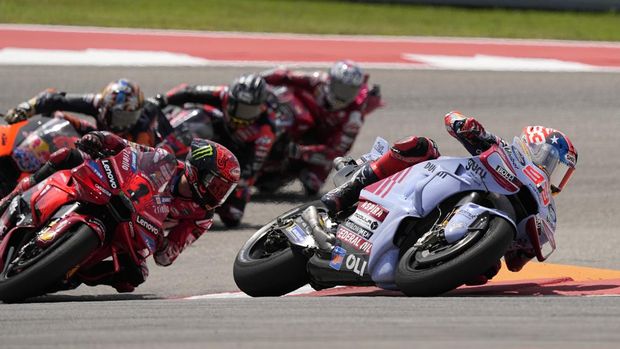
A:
(452, 273)
(74, 247)
(277, 274)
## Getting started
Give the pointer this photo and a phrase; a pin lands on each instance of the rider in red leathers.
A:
(476, 140)
(337, 103)
(241, 122)
(201, 183)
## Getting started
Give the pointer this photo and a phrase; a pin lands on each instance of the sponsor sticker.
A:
(350, 238)
(356, 264)
(109, 172)
(504, 173)
(374, 210)
(358, 230)
(149, 226)
(338, 254)
(95, 167)
(299, 233)
(364, 220)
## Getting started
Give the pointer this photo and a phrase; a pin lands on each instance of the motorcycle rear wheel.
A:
(270, 274)
(51, 267)
(416, 278)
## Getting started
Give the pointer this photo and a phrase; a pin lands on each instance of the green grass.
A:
(323, 16)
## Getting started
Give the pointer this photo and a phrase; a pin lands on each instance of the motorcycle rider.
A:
(241, 122)
(550, 149)
(201, 183)
(120, 108)
(338, 101)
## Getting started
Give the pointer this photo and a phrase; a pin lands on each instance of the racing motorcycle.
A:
(25, 146)
(54, 233)
(292, 119)
(424, 231)
(295, 125)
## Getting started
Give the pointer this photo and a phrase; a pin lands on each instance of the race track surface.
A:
(584, 105)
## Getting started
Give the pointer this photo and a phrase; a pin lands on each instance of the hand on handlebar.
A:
(16, 115)
(92, 145)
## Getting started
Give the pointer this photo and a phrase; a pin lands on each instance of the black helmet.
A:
(212, 172)
(246, 100)
(345, 79)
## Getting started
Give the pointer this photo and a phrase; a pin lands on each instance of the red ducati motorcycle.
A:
(52, 234)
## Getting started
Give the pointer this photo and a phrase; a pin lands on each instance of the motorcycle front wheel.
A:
(423, 273)
(32, 274)
(267, 266)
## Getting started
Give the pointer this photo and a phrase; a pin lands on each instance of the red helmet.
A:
(553, 152)
(120, 106)
(212, 172)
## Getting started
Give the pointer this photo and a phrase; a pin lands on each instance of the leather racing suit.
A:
(146, 131)
(185, 223)
(321, 134)
(251, 145)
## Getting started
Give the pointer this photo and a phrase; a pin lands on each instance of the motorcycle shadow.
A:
(60, 298)
(221, 228)
(289, 197)
(543, 287)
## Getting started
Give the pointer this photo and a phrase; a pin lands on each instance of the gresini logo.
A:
(475, 168)
(109, 172)
(147, 225)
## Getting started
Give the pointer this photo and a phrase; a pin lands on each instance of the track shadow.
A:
(59, 298)
(289, 197)
(543, 287)
(603, 287)
(219, 227)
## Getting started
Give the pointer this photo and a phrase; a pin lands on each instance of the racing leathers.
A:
(185, 223)
(320, 133)
(250, 144)
(413, 150)
(146, 131)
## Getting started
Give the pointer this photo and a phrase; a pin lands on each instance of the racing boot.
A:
(311, 182)
(64, 158)
(22, 186)
(404, 153)
(347, 194)
(126, 280)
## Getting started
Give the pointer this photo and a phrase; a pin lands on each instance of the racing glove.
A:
(470, 128)
(21, 113)
(91, 144)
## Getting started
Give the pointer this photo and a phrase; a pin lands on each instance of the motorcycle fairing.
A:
(43, 136)
(418, 190)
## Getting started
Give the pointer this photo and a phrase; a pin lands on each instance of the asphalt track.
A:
(584, 105)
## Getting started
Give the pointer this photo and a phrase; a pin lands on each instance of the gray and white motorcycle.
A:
(425, 230)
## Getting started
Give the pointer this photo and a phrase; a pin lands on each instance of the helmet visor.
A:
(560, 177)
(339, 94)
(124, 120)
(242, 114)
(217, 189)
(545, 156)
